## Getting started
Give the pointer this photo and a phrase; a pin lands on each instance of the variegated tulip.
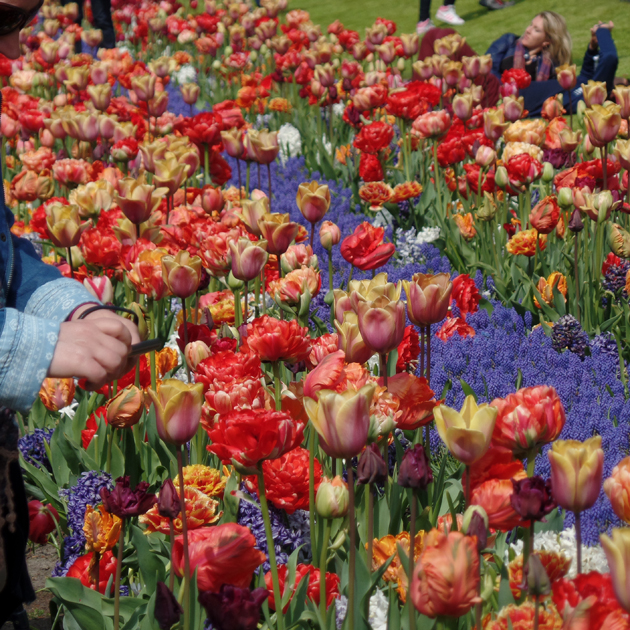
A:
(182, 273)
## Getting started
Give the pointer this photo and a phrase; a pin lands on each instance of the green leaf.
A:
(468, 390)
(151, 566)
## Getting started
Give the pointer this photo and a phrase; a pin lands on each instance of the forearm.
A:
(27, 345)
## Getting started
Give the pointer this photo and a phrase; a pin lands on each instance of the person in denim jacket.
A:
(40, 336)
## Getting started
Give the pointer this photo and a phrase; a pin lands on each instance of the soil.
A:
(40, 563)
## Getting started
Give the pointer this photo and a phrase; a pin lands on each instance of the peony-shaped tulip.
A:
(617, 551)
(617, 489)
(313, 200)
(576, 472)
(247, 437)
(467, 433)
(224, 554)
(181, 273)
(274, 339)
(428, 297)
(248, 258)
(432, 124)
(177, 410)
(446, 577)
(342, 419)
(527, 419)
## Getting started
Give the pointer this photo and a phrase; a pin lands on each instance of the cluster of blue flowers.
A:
(85, 492)
(290, 531)
(33, 450)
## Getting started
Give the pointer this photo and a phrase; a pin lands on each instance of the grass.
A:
(482, 26)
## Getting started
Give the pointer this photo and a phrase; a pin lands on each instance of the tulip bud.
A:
(167, 609)
(234, 283)
(248, 258)
(212, 200)
(488, 208)
(332, 498)
(101, 288)
(463, 106)
(575, 224)
(501, 178)
(415, 471)
(565, 198)
(168, 503)
(513, 107)
(372, 467)
(142, 322)
(538, 582)
(313, 200)
(190, 93)
(475, 523)
(485, 156)
(195, 352)
(548, 173)
(329, 235)
(125, 409)
(41, 521)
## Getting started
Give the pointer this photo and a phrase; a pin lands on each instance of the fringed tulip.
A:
(446, 577)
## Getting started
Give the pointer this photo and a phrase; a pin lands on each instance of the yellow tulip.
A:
(576, 472)
(617, 551)
(466, 433)
(602, 123)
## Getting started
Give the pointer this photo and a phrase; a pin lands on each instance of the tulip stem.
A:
(605, 165)
(276, 385)
(353, 545)
(245, 300)
(383, 361)
(467, 486)
(269, 179)
(428, 374)
(331, 285)
(240, 187)
(312, 444)
(576, 244)
(436, 175)
(108, 463)
(206, 164)
(182, 503)
(152, 354)
(171, 577)
(121, 538)
(247, 179)
(323, 562)
(578, 540)
(70, 262)
(271, 550)
(412, 552)
(370, 532)
(536, 607)
(185, 314)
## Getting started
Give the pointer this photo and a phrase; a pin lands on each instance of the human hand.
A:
(607, 25)
(103, 313)
(96, 348)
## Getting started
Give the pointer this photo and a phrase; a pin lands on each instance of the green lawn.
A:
(483, 26)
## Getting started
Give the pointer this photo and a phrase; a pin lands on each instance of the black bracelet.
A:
(110, 307)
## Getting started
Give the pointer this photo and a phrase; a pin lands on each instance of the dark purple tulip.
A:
(532, 499)
(234, 608)
(372, 467)
(415, 470)
(168, 500)
(167, 609)
(576, 224)
(477, 527)
(125, 502)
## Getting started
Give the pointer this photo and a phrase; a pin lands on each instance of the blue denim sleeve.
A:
(499, 50)
(27, 344)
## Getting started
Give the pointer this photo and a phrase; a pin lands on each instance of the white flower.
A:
(383, 218)
(290, 142)
(409, 243)
(379, 606)
(593, 558)
(70, 409)
(186, 74)
(338, 109)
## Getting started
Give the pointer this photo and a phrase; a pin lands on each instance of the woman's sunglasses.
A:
(14, 18)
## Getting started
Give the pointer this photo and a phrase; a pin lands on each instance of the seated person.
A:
(545, 45)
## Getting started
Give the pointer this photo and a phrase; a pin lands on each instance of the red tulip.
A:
(247, 437)
(224, 554)
(374, 137)
(42, 521)
(275, 340)
(365, 248)
(106, 570)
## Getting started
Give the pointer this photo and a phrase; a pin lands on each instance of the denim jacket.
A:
(34, 299)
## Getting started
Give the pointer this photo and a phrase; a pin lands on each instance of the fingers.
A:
(113, 328)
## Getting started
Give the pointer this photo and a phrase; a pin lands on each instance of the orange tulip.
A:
(125, 409)
(617, 489)
(101, 529)
(446, 576)
(57, 393)
(524, 242)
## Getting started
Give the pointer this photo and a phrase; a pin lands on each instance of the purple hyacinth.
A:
(33, 450)
(289, 532)
(567, 333)
(85, 492)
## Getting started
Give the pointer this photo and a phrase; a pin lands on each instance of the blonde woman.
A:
(545, 45)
